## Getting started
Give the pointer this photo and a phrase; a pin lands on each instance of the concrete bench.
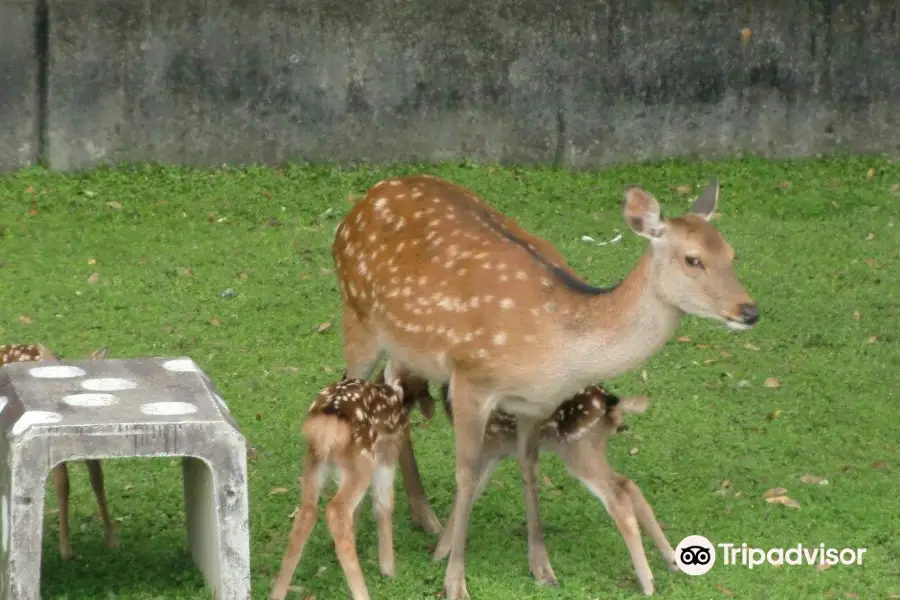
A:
(148, 408)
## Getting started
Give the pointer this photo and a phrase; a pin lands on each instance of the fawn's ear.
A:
(393, 378)
(642, 213)
(635, 404)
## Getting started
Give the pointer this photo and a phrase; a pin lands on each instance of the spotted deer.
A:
(579, 432)
(10, 353)
(353, 432)
(459, 293)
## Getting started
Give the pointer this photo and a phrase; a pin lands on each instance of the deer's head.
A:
(693, 264)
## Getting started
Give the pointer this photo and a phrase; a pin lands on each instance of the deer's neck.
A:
(618, 331)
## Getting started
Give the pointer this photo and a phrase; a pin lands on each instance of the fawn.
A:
(354, 430)
(578, 432)
(60, 473)
(459, 293)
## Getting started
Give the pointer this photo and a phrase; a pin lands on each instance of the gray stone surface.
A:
(150, 407)
(583, 84)
(18, 85)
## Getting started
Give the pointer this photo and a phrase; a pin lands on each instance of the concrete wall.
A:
(582, 83)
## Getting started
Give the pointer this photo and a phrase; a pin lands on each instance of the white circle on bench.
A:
(56, 372)
(168, 408)
(35, 417)
(108, 384)
(180, 365)
(88, 400)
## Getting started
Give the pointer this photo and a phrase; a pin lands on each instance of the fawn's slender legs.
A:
(339, 517)
(304, 521)
(383, 507)
(60, 475)
(96, 475)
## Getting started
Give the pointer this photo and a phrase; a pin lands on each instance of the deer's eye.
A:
(692, 261)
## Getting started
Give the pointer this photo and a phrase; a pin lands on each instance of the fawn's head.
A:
(693, 264)
(616, 408)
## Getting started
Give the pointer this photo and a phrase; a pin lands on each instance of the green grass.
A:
(818, 244)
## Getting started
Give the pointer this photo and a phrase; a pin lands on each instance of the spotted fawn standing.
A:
(443, 283)
(353, 431)
(10, 353)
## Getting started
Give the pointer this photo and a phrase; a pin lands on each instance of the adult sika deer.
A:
(457, 292)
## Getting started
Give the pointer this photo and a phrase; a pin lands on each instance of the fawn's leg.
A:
(383, 504)
(96, 474)
(311, 486)
(602, 482)
(528, 432)
(648, 521)
(339, 516)
(483, 479)
(419, 507)
(60, 475)
(470, 421)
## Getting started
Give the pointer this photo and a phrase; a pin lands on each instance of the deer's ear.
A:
(642, 214)
(705, 204)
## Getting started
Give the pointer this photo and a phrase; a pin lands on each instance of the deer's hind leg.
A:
(314, 476)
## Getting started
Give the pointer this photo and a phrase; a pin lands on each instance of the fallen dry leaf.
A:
(215, 322)
(870, 173)
(879, 464)
(644, 375)
(746, 33)
(29, 189)
(872, 339)
(114, 204)
(774, 414)
(896, 188)
(813, 479)
(856, 315)
(750, 346)
(24, 319)
(684, 338)
(185, 271)
(633, 451)
(683, 189)
(323, 327)
(726, 354)
(772, 382)
(851, 595)
(278, 490)
(785, 500)
(871, 262)
(870, 237)
(92, 261)
(823, 566)
(94, 278)
(784, 185)
(547, 481)
(779, 491)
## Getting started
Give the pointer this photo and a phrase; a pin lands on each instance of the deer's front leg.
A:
(470, 421)
(527, 441)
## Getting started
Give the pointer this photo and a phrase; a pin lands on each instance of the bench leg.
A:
(218, 525)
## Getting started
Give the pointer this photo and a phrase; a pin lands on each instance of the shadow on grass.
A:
(157, 567)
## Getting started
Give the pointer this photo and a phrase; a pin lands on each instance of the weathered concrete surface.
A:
(18, 85)
(517, 81)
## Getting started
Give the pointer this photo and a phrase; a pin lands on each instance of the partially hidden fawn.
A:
(10, 353)
(579, 432)
(354, 431)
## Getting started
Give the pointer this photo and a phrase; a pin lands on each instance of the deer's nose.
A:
(749, 313)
